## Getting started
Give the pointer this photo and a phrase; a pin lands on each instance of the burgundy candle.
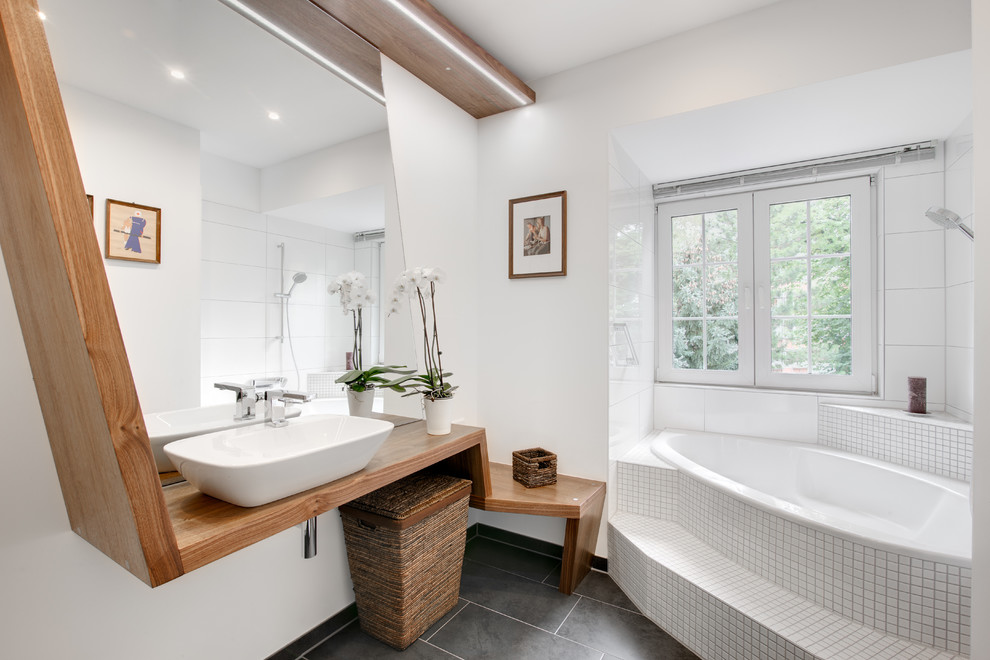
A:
(917, 395)
(349, 360)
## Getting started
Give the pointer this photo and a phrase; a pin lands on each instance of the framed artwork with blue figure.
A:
(134, 232)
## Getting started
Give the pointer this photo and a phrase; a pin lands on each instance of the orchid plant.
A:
(420, 284)
(355, 296)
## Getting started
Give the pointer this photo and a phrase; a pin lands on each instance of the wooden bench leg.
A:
(580, 538)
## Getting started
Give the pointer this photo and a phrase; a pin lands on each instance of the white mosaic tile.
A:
(938, 445)
(722, 611)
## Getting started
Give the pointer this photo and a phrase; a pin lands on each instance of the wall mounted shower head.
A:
(298, 278)
(948, 219)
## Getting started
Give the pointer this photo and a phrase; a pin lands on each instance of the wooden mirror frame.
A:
(93, 417)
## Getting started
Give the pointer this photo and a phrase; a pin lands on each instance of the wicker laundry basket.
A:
(405, 549)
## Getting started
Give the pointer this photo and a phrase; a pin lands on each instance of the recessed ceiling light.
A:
(42, 15)
(178, 75)
(274, 116)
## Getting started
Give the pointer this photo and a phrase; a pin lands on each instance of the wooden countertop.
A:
(207, 529)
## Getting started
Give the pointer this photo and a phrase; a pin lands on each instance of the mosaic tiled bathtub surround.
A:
(920, 600)
(930, 444)
(895, 595)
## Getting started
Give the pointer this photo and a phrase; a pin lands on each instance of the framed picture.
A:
(134, 232)
(538, 236)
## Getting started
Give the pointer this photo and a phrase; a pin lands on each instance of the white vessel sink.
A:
(254, 465)
(166, 427)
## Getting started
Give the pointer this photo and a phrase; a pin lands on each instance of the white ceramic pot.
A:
(437, 415)
(359, 403)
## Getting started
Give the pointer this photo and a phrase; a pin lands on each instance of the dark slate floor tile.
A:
(446, 617)
(350, 644)
(510, 558)
(314, 636)
(601, 587)
(621, 633)
(481, 634)
(531, 602)
(553, 579)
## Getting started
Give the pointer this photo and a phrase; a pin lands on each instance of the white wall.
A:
(436, 180)
(561, 143)
(129, 155)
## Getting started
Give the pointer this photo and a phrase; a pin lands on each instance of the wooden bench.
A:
(578, 500)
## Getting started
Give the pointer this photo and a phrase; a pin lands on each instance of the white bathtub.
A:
(877, 504)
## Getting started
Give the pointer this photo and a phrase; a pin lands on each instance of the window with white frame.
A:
(771, 288)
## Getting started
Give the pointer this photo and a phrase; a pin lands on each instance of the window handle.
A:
(748, 298)
(762, 297)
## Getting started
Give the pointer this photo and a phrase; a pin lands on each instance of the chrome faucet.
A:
(277, 412)
(247, 399)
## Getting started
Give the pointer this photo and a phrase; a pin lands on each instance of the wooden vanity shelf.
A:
(207, 529)
(580, 501)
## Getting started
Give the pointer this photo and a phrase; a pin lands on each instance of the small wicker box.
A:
(405, 549)
(534, 467)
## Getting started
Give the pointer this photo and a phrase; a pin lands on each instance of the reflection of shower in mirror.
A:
(298, 278)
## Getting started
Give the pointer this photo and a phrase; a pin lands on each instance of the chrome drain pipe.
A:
(309, 538)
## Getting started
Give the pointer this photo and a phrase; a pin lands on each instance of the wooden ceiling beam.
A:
(319, 36)
(420, 39)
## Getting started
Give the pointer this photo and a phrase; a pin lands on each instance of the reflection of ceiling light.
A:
(178, 75)
(483, 70)
(42, 15)
(282, 34)
(274, 116)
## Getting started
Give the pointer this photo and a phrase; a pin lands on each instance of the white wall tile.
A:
(959, 378)
(646, 414)
(231, 215)
(679, 407)
(311, 292)
(233, 245)
(763, 414)
(340, 260)
(958, 258)
(222, 281)
(222, 318)
(304, 320)
(959, 322)
(232, 355)
(309, 354)
(959, 186)
(623, 425)
(340, 239)
(210, 395)
(915, 317)
(915, 361)
(907, 198)
(300, 255)
(914, 260)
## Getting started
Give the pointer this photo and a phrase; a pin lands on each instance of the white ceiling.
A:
(236, 73)
(911, 102)
(537, 38)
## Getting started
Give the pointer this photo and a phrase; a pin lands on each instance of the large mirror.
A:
(272, 176)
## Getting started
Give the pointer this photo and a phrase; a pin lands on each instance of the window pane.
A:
(688, 294)
(831, 346)
(721, 236)
(830, 225)
(830, 286)
(789, 288)
(688, 345)
(685, 234)
(722, 297)
(788, 230)
(790, 346)
(723, 345)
